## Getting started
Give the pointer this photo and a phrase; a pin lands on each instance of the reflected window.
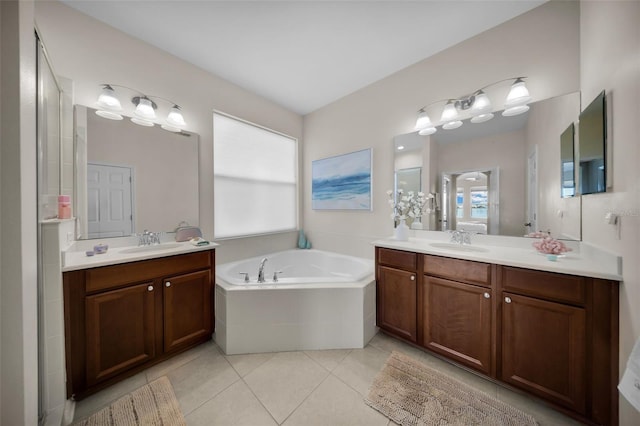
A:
(460, 204)
(479, 203)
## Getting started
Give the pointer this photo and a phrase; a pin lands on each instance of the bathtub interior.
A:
(300, 265)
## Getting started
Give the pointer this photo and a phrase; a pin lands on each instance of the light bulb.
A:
(481, 104)
(518, 95)
(450, 113)
(427, 131)
(423, 120)
(145, 108)
(108, 100)
(175, 118)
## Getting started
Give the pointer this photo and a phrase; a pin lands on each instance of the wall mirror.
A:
(592, 136)
(499, 177)
(567, 162)
(129, 178)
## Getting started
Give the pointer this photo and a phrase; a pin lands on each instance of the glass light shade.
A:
(481, 105)
(108, 99)
(518, 95)
(142, 122)
(108, 114)
(175, 118)
(516, 110)
(450, 113)
(481, 118)
(427, 131)
(452, 125)
(144, 109)
(423, 121)
(170, 128)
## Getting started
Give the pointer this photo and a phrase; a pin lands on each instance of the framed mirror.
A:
(519, 156)
(129, 178)
(567, 163)
(592, 147)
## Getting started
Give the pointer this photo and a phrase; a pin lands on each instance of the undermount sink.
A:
(142, 249)
(459, 247)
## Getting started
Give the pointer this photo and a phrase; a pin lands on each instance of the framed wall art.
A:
(342, 182)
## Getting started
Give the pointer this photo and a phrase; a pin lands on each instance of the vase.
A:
(401, 232)
(416, 224)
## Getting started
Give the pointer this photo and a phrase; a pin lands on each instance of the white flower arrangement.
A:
(411, 204)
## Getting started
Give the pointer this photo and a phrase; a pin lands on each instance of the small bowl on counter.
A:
(100, 249)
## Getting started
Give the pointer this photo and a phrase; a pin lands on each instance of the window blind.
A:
(255, 179)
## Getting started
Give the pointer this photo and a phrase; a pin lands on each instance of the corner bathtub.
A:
(322, 300)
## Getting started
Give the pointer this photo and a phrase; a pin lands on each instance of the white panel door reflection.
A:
(109, 190)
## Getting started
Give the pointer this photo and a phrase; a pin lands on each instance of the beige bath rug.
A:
(410, 393)
(152, 404)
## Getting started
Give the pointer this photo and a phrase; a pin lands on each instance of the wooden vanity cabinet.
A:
(396, 292)
(121, 319)
(457, 311)
(551, 335)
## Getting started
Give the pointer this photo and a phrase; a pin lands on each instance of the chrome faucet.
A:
(261, 270)
(460, 237)
(148, 238)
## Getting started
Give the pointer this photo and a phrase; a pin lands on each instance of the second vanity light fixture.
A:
(145, 108)
(477, 105)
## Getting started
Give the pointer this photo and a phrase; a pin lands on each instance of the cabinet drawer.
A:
(545, 285)
(398, 259)
(107, 277)
(458, 269)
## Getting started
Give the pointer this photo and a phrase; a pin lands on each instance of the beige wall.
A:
(371, 117)
(90, 52)
(18, 226)
(610, 60)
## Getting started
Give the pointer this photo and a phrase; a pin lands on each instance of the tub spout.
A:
(261, 270)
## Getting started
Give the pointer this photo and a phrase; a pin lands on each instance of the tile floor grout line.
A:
(307, 397)
(259, 401)
(254, 368)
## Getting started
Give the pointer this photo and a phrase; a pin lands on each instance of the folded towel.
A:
(199, 242)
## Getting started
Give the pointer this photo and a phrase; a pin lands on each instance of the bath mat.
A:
(152, 404)
(410, 393)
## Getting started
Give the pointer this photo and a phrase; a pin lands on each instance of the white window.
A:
(255, 179)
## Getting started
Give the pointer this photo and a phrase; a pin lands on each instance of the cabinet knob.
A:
(507, 299)
(150, 288)
(487, 295)
(413, 277)
(167, 284)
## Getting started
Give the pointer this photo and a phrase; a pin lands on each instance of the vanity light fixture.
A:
(477, 105)
(145, 108)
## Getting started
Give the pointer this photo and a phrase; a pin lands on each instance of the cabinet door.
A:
(119, 330)
(187, 309)
(397, 302)
(544, 349)
(457, 321)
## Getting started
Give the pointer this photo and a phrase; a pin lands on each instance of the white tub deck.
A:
(331, 310)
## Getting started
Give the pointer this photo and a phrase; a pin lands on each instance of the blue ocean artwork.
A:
(342, 182)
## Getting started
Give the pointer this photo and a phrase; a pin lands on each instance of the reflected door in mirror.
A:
(109, 190)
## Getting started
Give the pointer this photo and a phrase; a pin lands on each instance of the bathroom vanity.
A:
(510, 315)
(124, 312)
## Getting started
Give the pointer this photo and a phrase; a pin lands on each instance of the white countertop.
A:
(584, 259)
(75, 257)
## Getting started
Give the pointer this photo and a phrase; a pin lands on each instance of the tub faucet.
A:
(261, 270)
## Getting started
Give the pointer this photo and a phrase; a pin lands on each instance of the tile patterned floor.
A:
(292, 388)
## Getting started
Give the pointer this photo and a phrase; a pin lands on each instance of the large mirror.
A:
(130, 178)
(499, 177)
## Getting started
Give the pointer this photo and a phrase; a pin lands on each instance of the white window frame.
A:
(297, 178)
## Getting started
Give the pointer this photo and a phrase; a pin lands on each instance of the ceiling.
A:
(302, 54)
